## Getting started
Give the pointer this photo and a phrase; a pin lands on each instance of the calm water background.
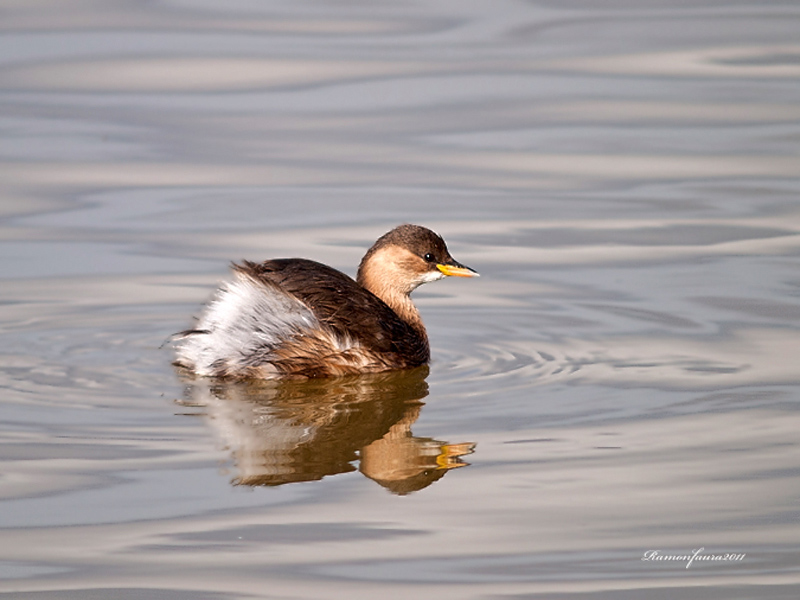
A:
(623, 174)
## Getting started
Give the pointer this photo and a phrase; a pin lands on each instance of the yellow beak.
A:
(457, 270)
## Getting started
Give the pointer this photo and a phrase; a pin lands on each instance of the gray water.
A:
(620, 384)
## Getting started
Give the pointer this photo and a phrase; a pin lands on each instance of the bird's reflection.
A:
(288, 431)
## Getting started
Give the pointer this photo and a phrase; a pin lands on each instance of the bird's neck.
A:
(399, 301)
(403, 306)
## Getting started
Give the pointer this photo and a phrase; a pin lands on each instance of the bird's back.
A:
(297, 317)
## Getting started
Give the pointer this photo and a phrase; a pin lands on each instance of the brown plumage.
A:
(299, 318)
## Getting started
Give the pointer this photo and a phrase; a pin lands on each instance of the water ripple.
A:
(742, 356)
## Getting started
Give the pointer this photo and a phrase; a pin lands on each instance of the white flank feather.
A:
(246, 320)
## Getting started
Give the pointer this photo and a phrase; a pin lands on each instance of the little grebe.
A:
(292, 317)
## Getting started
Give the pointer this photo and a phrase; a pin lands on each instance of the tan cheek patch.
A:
(397, 262)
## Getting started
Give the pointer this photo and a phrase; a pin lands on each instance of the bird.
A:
(298, 318)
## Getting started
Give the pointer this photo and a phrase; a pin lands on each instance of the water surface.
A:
(622, 379)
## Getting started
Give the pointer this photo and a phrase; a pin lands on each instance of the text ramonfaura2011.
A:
(692, 557)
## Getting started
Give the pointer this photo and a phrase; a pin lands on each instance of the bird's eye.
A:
(429, 257)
